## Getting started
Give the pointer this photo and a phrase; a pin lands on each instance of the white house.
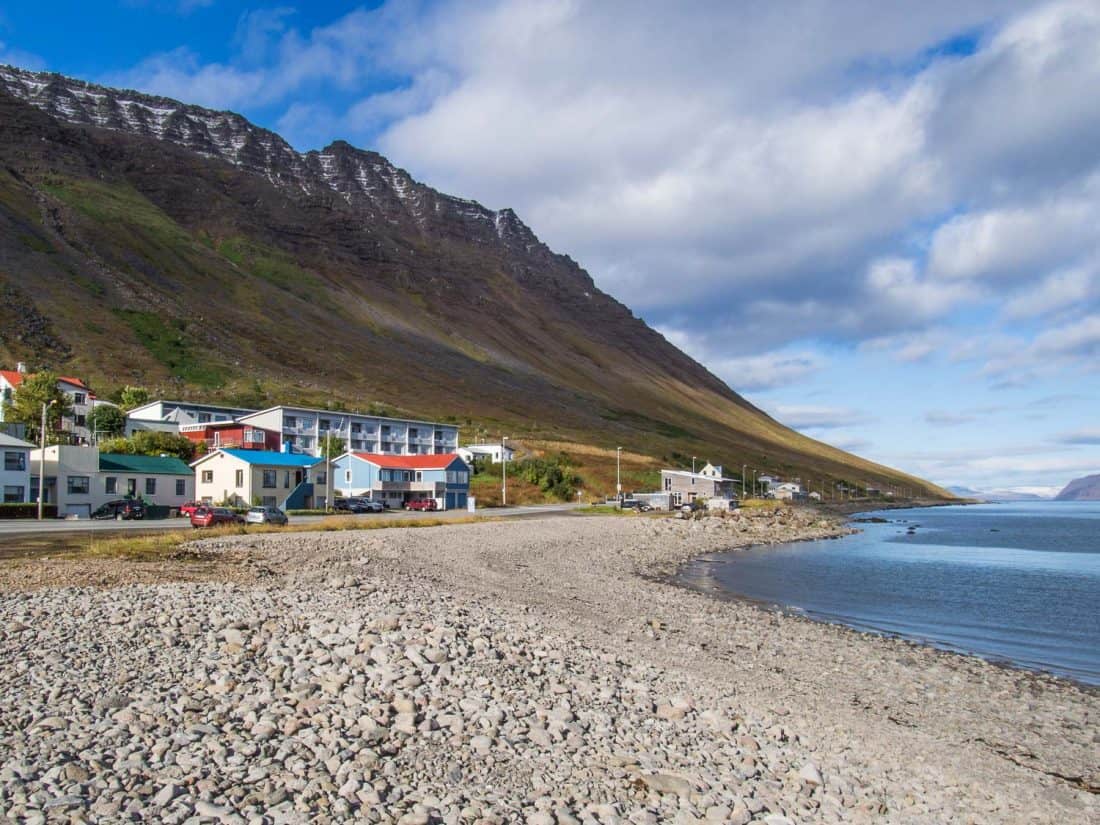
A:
(302, 430)
(273, 479)
(494, 452)
(80, 479)
(82, 399)
(789, 491)
(169, 416)
(15, 477)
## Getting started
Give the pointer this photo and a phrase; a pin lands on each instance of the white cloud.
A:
(1077, 437)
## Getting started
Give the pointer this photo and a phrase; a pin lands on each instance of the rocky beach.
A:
(540, 670)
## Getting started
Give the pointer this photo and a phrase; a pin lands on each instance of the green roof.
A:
(148, 465)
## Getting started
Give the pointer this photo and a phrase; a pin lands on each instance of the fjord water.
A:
(1016, 582)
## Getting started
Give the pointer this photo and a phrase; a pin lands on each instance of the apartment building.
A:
(302, 430)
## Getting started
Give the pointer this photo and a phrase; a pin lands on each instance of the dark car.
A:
(123, 510)
(366, 505)
(214, 517)
(344, 505)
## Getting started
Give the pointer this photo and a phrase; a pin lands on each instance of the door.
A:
(297, 477)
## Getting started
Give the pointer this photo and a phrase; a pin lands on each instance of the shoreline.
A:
(681, 579)
(536, 658)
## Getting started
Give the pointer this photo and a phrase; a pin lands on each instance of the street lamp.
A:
(503, 472)
(618, 472)
(754, 482)
(744, 487)
(693, 465)
(42, 458)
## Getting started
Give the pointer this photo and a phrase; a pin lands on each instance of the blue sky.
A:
(876, 221)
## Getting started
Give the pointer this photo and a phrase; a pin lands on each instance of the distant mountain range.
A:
(1086, 488)
(994, 495)
(148, 241)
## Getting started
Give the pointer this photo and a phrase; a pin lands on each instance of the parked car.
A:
(124, 510)
(213, 516)
(367, 505)
(266, 515)
(635, 504)
(421, 504)
(188, 508)
(344, 505)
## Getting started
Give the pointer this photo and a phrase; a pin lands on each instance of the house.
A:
(686, 486)
(766, 482)
(80, 479)
(262, 477)
(232, 435)
(788, 491)
(172, 416)
(711, 470)
(397, 479)
(496, 453)
(166, 481)
(302, 430)
(81, 398)
(15, 474)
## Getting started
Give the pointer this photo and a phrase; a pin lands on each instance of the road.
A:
(24, 527)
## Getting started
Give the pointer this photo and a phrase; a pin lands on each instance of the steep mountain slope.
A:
(1086, 488)
(145, 240)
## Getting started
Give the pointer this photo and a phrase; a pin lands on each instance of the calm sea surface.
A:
(1011, 582)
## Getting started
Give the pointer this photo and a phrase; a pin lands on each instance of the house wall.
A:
(223, 484)
(66, 469)
(164, 491)
(358, 477)
(15, 483)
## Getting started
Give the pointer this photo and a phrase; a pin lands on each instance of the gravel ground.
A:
(539, 671)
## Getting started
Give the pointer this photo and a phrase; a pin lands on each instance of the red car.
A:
(214, 516)
(421, 504)
(190, 507)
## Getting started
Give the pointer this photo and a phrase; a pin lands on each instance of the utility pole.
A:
(503, 471)
(618, 473)
(744, 487)
(693, 465)
(42, 459)
(754, 482)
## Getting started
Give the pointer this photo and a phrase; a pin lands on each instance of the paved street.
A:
(23, 527)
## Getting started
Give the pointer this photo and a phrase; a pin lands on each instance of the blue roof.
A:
(273, 459)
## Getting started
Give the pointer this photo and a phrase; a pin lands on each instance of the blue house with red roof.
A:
(397, 479)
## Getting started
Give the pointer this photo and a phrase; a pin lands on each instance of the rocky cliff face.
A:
(1086, 488)
(151, 241)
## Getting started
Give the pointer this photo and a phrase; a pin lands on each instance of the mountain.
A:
(1086, 488)
(144, 240)
(994, 495)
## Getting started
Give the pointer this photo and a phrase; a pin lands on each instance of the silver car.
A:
(266, 515)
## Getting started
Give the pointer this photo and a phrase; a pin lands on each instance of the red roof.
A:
(16, 378)
(440, 461)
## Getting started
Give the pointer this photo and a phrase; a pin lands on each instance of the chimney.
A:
(21, 367)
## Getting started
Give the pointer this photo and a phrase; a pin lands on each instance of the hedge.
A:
(27, 510)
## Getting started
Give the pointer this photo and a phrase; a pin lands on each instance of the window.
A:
(238, 480)
(419, 476)
(412, 432)
(254, 436)
(290, 421)
(207, 476)
(78, 485)
(181, 487)
(269, 479)
(79, 398)
(150, 486)
(356, 428)
(305, 442)
(325, 424)
(110, 485)
(269, 501)
(14, 495)
(320, 478)
(204, 418)
(668, 484)
(286, 480)
(15, 461)
(221, 417)
(347, 476)
(131, 487)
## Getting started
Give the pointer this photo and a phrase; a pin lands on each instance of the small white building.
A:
(15, 476)
(496, 453)
(273, 479)
(788, 491)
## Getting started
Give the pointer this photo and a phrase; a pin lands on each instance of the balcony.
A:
(430, 487)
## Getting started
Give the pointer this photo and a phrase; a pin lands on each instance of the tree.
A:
(133, 397)
(26, 407)
(332, 446)
(106, 421)
(148, 442)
